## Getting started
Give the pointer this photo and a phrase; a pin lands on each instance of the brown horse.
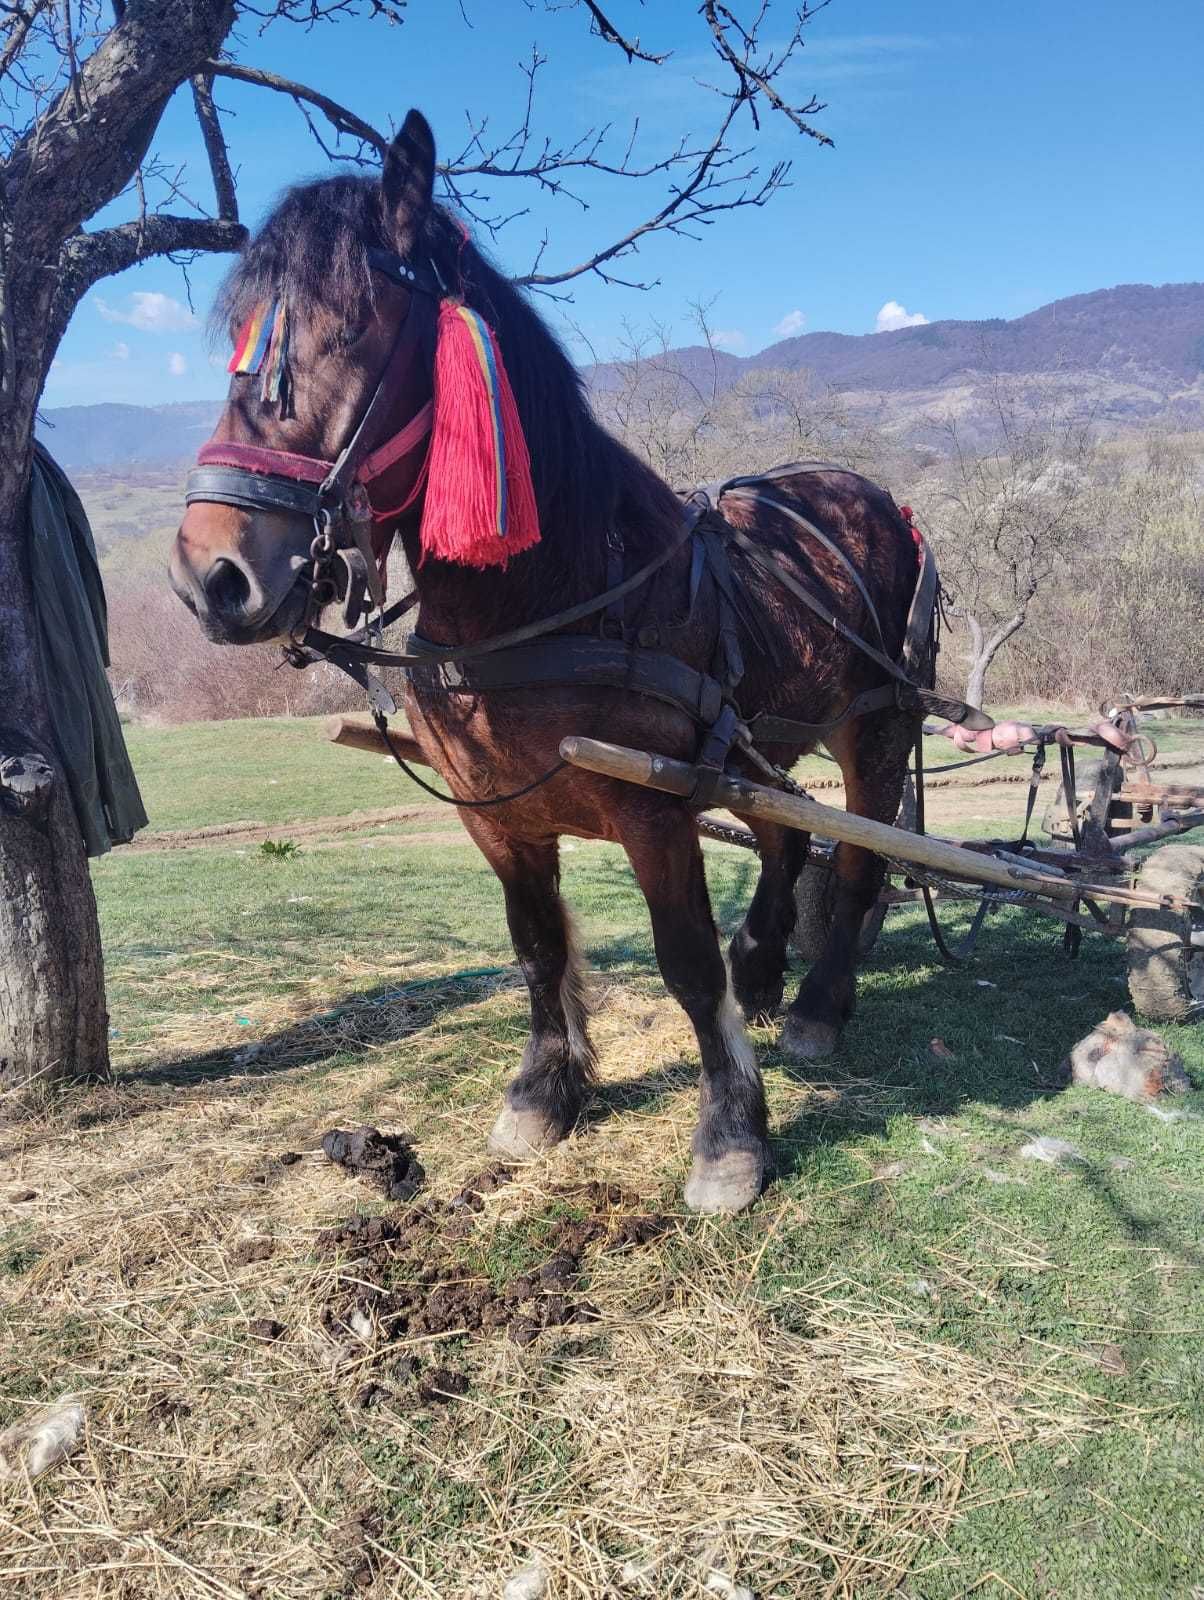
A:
(245, 570)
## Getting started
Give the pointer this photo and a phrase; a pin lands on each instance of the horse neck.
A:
(460, 605)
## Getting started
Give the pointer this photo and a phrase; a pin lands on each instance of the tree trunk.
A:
(983, 651)
(53, 1022)
(70, 163)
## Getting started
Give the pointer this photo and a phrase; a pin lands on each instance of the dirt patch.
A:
(403, 1282)
(252, 1250)
(253, 832)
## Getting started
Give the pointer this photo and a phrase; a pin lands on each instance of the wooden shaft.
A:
(1182, 822)
(794, 811)
(359, 733)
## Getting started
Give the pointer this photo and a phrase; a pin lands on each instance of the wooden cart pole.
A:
(794, 811)
(358, 733)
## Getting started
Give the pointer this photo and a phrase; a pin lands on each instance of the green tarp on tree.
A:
(73, 633)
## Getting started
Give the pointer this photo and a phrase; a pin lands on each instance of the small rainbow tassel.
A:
(252, 343)
(263, 345)
(480, 501)
(275, 367)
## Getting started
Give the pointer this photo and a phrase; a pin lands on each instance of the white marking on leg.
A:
(733, 1034)
(572, 1000)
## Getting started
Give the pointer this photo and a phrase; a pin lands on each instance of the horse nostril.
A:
(227, 588)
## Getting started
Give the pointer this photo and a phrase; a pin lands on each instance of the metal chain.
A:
(727, 833)
(322, 550)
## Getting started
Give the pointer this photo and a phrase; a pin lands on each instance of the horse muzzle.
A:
(236, 599)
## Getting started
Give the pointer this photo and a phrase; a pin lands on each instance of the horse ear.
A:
(408, 181)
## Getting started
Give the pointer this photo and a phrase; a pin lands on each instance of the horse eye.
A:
(343, 338)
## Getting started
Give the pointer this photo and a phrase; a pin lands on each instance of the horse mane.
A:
(313, 249)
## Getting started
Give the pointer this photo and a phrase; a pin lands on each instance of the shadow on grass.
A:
(929, 1040)
(1007, 1021)
(352, 1026)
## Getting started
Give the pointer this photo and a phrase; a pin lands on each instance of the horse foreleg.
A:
(872, 752)
(729, 1144)
(758, 950)
(558, 1067)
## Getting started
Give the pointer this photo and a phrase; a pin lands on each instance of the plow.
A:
(1115, 865)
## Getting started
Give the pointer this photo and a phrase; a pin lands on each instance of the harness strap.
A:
(415, 336)
(226, 483)
(923, 699)
(744, 491)
(315, 644)
(919, 636)
(393, 450)
(767, 729)
(578, 660)
(953, 956)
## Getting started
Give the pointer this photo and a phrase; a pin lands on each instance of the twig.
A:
(605, 29)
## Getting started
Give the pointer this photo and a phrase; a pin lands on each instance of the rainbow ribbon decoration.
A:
(482, 340)
(479, 507)
(263, 345)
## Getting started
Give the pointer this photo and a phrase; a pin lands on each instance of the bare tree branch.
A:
(88, 257)
(59, 173)
(23, 19)
(215, 148)
(342, 120)
(755, 79)
(605, 29)
(706, 192)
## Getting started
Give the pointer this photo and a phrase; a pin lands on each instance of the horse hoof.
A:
(729, 1183)
(804, 1039)
(523, 1134)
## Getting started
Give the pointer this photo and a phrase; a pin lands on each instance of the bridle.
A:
(352, 533)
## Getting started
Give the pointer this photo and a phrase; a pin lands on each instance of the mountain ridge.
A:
(1139, 347)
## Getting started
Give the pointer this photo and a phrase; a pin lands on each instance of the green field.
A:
(281, 769)
(922, 1364)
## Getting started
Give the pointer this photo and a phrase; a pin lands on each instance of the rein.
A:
(315, 645)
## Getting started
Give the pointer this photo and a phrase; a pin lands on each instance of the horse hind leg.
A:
(757, 954)
(873, 755)
(557, 1073)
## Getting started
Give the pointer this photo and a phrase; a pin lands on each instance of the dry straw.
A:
(821, 1449)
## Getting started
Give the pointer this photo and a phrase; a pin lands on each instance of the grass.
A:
(270, 770)
(276, 770)
(921, 1365)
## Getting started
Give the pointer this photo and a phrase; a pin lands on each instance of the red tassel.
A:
(480, 502)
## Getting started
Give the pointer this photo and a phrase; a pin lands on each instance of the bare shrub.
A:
(163, 666)
(1077, 566)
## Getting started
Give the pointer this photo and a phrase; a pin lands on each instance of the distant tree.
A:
(692, 420)
(82, 93)
(1006, 520)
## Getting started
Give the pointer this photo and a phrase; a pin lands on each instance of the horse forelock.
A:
(313, 249)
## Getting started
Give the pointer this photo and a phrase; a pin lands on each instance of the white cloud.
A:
(150, 312)
(792, 323)
(732, 339)
(893, 316)
(120, 351)
(176, 364)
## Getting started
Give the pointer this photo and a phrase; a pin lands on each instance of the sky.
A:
(987, 158)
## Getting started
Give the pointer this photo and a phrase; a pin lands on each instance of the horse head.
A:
(323, 439)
